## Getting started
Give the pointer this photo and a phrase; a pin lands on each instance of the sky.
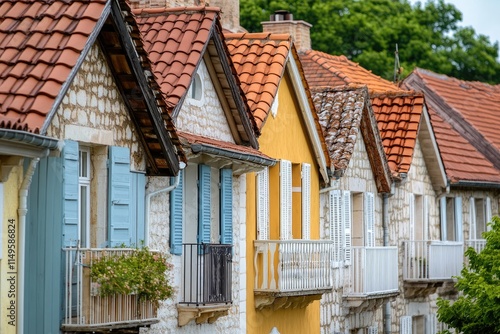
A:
(482, 15)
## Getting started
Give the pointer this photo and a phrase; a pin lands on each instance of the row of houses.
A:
(292, 191)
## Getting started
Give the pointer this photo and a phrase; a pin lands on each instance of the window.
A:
(480, 215)
(363, 217)
(84, 197)
(418, 217)
(451, 218)
(196, 90)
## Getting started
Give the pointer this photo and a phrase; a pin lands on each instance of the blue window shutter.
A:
(137, 196)
(204, 204)
(176, 216)
(119, 220)
(70, 193)
(226, 206)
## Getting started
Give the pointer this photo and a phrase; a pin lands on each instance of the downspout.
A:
(385, 225)
(22, 211)
(168, 189)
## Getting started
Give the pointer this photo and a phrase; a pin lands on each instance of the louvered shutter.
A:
(412, 216)
(263, 205)
(458, 219)
(426, 217)
(472, 219)
(369, 217)
(306, 201)
(336, 225)
(347, 220)
(405, 325)
(70, 193)
(119, 198)
(373, 330)
(137, 195)
(285, 200)
(431, 324)
(442, 213)
(226, 206)
(488, 214)
(204, 203)
(177, 216)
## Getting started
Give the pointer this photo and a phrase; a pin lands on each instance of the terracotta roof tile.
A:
(255, 56)
(31, 63)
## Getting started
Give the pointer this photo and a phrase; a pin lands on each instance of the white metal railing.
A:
(84, 307)
(373, 270)
(436, 260)
(292, 265)
(477, 244)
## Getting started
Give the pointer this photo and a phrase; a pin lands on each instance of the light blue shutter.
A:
(177, 216)
(458, 218)
(472, 219)
(204, 205)
(119, 199)
(442, 212)
(137, 196)
(70, 193)
(226, 206)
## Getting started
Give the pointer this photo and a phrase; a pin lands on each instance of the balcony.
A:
(372, 277)
(428, 265)
(86, 311)
(291, 273)
(207, 283)
(477, 244)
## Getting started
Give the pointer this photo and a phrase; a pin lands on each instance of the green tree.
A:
(367, 31)
(477, 310)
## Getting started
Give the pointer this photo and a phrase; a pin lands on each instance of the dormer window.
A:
(196, 88)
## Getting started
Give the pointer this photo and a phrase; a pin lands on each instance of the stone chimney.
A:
(281, 22)
(230, 16)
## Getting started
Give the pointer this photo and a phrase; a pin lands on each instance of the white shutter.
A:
(373, 330)
(285, 200)
(347, 223)
(263, 205)
(472, 219)
(405, 325)
(442, 213)
(458, 219)
(306, 201)
(412, 216)
(426, 218)
(369, 217)
(336, 225)
(431, 324)
(488, 213)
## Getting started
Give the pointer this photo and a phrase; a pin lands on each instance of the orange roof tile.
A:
(40, 43)
(398, 118)
(257, 56)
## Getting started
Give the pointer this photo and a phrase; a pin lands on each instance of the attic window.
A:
(196, 88)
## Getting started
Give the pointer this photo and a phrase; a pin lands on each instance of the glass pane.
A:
(83, 216)
(84, 164)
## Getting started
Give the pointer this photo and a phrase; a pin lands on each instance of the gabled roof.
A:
(261, 61)
(344, 113)
(464, 116)
(42, 46)
(177, 40)
(41, 43)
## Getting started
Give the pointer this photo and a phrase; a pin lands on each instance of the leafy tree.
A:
(477, 310)
(367, 32)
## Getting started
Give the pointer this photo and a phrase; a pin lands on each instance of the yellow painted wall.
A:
(283, 137)
(8, 269)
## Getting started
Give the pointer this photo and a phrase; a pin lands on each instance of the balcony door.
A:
(450, 209)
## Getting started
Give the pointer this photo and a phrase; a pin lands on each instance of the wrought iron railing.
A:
(82, 303)
(292, 265)
(432, 260)
(373, 270)
(207, 274)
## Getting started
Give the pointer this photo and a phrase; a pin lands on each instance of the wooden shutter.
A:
(442, 214)
(263, 205)
(458, 219)
(226, 206)
(306, 201)
(347, 224)
(369, 217)
(204, 203)
(137, 196)
(70, 193)
(119, 198)
(177, 216)
(335, 212)
(472, 219)
(405, 325)
(285, 200)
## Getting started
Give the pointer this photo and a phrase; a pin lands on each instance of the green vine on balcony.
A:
(140, 272)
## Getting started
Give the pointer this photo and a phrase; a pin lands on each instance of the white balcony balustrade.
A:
(373, 271)
(293, 266)
(477, 244)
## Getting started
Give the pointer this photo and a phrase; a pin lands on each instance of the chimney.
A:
(230, 13)
(281, 22)
(134, 4)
